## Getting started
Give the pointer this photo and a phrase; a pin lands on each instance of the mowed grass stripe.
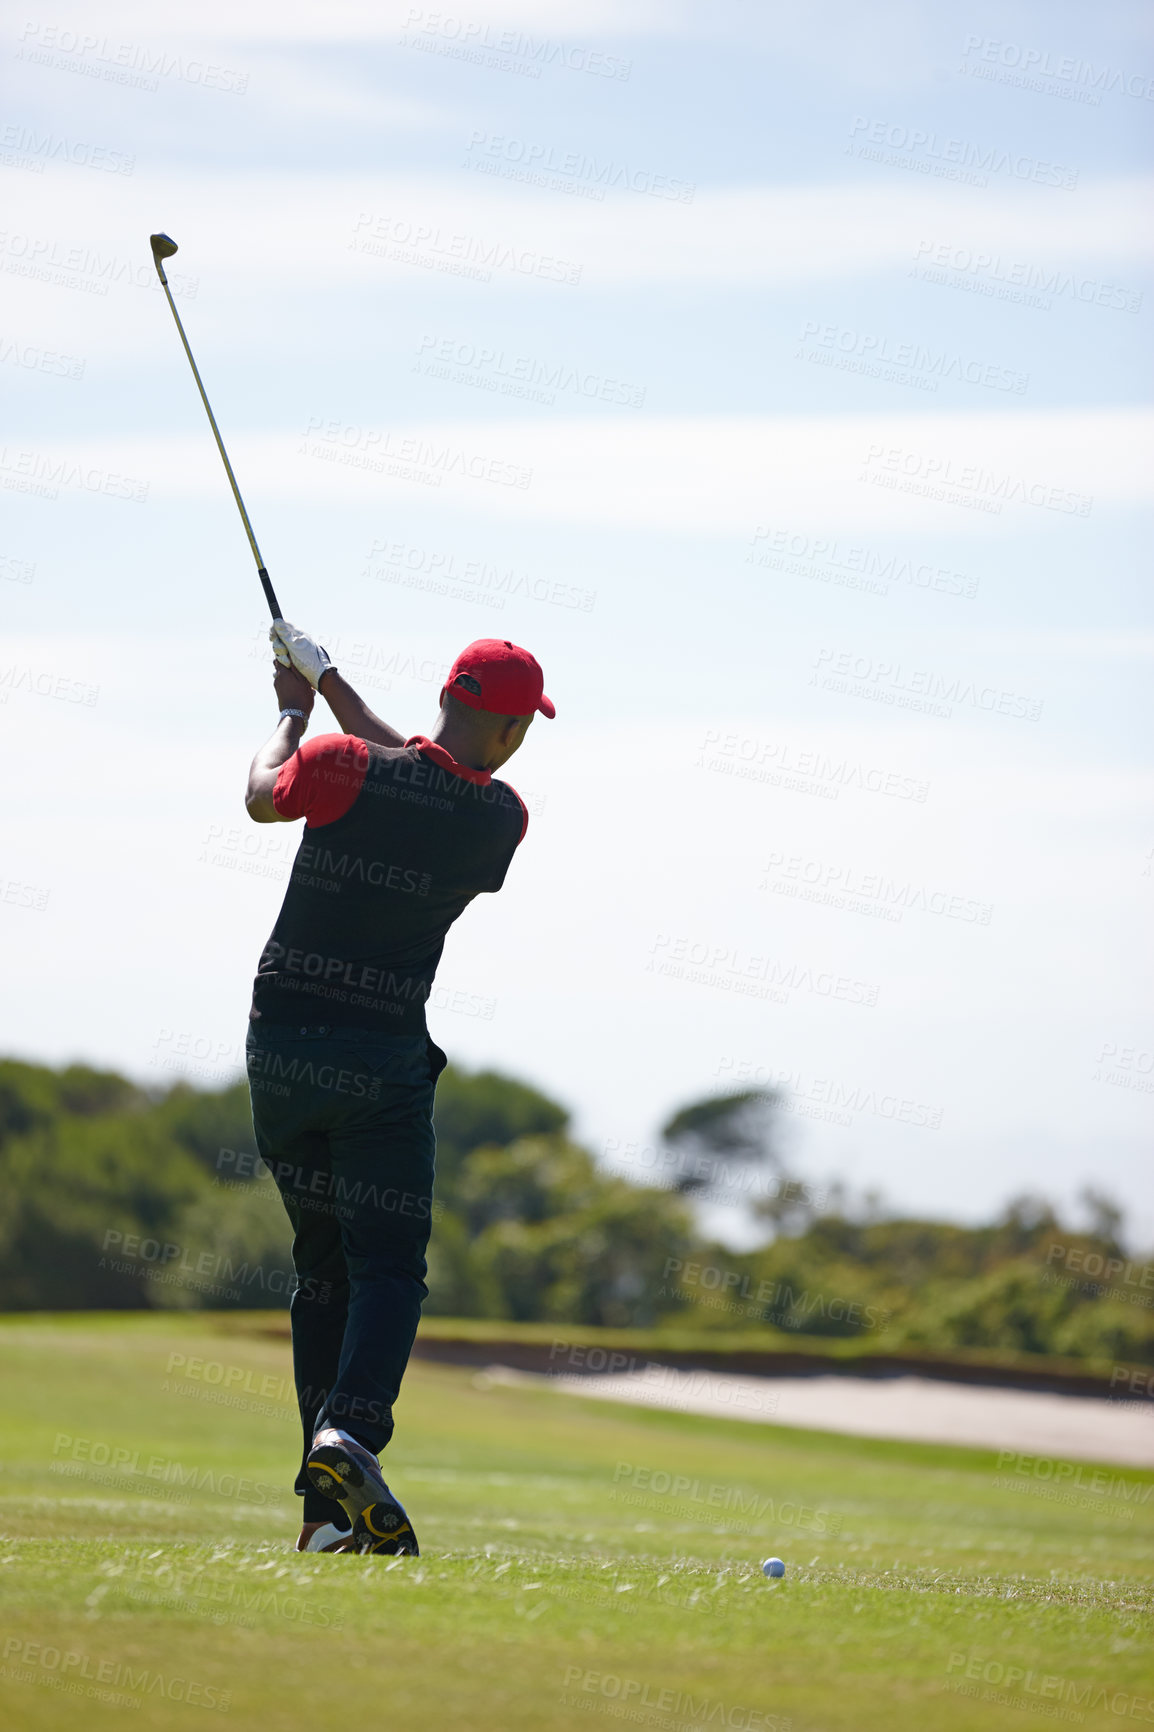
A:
(581, 1561)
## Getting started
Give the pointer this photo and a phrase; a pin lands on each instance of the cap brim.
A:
(545, 705)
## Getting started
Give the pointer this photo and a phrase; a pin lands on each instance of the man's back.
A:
(398, 841)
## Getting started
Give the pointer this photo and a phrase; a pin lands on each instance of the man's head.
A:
(493, 691)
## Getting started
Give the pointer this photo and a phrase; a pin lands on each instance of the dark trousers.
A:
(344, 1122)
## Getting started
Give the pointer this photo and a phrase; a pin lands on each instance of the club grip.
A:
(269, 593)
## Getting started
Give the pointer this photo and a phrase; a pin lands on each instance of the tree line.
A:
(118, 1197)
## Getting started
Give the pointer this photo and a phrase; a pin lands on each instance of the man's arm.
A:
(293, 692)
(353, 714)
(312, 661)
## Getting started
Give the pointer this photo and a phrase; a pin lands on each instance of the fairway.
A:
(577, 1560)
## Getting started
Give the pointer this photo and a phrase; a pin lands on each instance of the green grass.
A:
(556, 1586)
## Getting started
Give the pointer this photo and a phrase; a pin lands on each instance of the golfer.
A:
(400, 835)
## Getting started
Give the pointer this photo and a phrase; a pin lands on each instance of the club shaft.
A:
(266, 583)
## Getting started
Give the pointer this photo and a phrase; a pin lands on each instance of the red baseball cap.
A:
(496, 675)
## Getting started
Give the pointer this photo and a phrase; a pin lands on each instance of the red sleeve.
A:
(322, 779)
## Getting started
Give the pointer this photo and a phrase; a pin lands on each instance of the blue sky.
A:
(778, 375)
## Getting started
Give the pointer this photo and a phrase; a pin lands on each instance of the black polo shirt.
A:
(397, 842)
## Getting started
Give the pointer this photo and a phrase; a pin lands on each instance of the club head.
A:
(162, 247)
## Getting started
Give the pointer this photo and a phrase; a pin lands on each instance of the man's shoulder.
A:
(321, 779)
(330, 748)
(334, 757)
(507, 794)
(512, 803)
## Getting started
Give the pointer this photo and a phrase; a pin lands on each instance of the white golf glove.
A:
(293, 648)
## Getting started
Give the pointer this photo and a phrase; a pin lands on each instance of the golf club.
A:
(163, 248)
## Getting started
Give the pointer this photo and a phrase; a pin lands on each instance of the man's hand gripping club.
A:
(305, 654)
(293, 648)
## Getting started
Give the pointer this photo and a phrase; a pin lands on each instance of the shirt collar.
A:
(430, 749)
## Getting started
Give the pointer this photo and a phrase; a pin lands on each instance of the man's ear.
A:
(510, 729)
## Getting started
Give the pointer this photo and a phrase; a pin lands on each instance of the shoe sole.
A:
(380, 1525)
(378, 1530)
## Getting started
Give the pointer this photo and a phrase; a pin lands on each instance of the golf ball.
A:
(773, 1567)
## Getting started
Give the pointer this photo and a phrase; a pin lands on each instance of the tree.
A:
(486, 1108)
(551, 1236)
(1106, 1218)
(725, 1150)
(721, 1142)
(213, 1126)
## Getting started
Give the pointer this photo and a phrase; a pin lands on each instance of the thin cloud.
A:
(976, 474)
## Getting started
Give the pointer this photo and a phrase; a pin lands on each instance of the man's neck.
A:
(454, 740)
